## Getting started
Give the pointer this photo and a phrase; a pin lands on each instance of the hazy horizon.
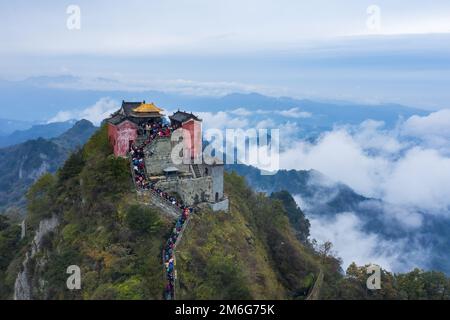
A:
(391, 53)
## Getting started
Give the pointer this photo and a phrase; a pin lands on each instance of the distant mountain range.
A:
(45, 131)
(8, 126)
(22, 164)
(41, 98)
(319, 193)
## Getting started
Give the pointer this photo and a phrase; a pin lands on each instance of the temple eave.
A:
(146, 115)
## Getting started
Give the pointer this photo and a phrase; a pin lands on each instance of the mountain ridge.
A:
(93, 219)
(45, 131)
(22, 164)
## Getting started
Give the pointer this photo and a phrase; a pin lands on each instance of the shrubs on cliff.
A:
(142, 220)
(98, 145)
(104, 177)
(9, 244)
(72, 167)
(105, 180)
(41, 200)
(414, 285)
(296, 216)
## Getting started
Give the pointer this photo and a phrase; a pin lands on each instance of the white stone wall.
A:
(217, 178)
(191, 190)
(220, 206)
(158, 157)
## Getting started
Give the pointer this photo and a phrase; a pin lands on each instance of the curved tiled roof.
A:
(147, 108)
(182, 116)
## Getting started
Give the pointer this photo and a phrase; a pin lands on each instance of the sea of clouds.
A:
(407, 167)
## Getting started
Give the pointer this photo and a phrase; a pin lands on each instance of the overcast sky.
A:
(194, 25)
(319, 49)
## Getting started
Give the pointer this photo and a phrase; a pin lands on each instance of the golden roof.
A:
(147, 108)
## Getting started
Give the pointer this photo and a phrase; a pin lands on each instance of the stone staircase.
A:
(183, 229)
(196, 170)
(140, 140)
(149, 198)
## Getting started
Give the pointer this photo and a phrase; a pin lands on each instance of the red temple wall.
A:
(195, 129)
(121, 136)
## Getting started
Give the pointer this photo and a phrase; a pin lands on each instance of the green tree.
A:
(72, 167)
(296, 216)
(41, 197)
(9, 245)
(142, 220)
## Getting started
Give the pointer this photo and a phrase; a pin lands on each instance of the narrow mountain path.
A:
(169, 255)
(165, 202)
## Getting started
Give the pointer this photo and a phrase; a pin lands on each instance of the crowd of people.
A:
(169, 259)
(155, 129)
(138, 162)
(152, 131)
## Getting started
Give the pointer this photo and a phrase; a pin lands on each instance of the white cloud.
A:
(266, 124)
(62, 116)
(100, 111)
(241, 112)
(434, 129)
(353, 244)
(134, 83)
(395, 216)
(421, 178)
(405, 167)
(243, 118)
(294, 113)
(338, 155)
(288, 133)
(96, 113)
(288, 113)
(222, 120)
(201, 88)
(436, 123)
(382, 164)
(370, 133)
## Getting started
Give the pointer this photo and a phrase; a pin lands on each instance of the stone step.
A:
(196, 170)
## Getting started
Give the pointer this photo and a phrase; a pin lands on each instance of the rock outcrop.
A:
(23, 284)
